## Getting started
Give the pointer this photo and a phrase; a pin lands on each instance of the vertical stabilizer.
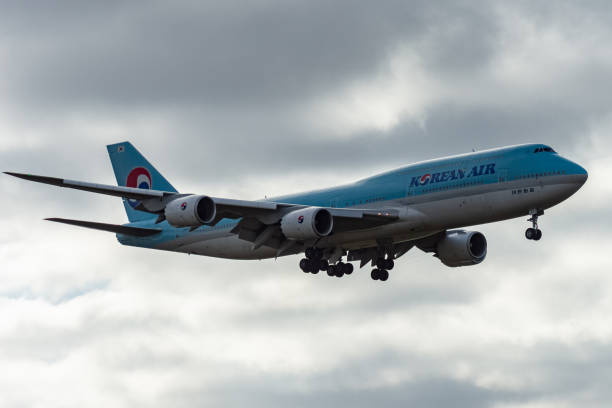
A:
(133, 170)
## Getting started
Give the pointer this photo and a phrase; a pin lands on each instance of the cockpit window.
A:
(544, 149)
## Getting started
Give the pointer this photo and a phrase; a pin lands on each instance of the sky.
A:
(248, 99)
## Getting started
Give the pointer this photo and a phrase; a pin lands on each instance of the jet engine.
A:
(190, 211)
(307, 223)
(462, 248)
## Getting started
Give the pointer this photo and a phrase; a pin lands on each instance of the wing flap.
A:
(348, 219)
(117, 229)
(266, 211)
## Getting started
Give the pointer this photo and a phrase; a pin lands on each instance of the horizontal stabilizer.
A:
(118, 229)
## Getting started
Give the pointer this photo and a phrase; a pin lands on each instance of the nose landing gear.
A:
(534, 233)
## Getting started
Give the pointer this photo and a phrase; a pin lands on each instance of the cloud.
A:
(262, 99)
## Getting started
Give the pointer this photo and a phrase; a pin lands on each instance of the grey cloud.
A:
(167, 54)
(554, 371)
(449, 129)
(215, 95)
(172, 54)
(429, 393)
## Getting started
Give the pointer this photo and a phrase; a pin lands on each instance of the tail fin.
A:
(133, 170)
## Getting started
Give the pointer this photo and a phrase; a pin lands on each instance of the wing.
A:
(260, 220)
(255, 230)
(126, 192)
(154, 201)
(117, 229)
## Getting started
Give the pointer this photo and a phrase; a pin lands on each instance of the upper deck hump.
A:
(414, 167)
(447, 160)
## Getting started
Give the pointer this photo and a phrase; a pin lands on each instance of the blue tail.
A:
(133, 170)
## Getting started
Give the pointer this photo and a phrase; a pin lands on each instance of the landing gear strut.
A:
(534, 233)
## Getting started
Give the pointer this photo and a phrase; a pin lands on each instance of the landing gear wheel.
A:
(323, 265)
(387, 264)
(304, 265)
(347, 269)
(338, 270)
(331, 270)
(538, 235)
(379, 274)
(534, 232)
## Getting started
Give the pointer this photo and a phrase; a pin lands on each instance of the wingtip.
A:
(18, 175)
(39, 179)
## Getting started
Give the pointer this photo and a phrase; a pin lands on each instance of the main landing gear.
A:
(383, 266)
(340, 269)
(534, 233)
(314, 262)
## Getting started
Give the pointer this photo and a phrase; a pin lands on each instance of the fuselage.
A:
(431, 196)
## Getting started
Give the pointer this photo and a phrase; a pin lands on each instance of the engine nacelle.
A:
(462, 248)
(190, 211)
(307, 223)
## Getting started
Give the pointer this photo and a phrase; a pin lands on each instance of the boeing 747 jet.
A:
(372, 221)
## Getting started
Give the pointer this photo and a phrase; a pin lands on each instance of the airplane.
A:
(374, 220)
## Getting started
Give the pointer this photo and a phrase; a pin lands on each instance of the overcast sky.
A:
(246, 99)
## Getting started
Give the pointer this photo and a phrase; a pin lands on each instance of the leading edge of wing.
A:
(117, 229)
(127, 192)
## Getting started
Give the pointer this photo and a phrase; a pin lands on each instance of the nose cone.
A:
(581, 174)
(570, 178)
